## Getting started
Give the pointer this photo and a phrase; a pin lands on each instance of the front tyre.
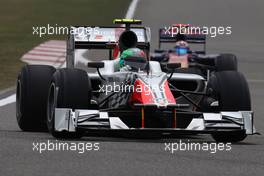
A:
(226, 62)
(231, 90)
(31, 97)
(70, 88)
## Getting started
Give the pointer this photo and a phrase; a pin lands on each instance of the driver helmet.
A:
(181, 47)
(133, 53)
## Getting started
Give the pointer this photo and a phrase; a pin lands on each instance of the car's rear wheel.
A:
(31, 97)
(226, 62)
(70, 88)
(231, 90)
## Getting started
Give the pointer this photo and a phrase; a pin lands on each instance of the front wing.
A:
(94, 120)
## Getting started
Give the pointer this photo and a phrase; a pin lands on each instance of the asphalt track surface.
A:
(119, 156)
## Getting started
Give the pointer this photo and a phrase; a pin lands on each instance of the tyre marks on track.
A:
(52, 52)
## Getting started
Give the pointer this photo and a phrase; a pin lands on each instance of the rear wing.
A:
(194, 37)
(99, 37)
(92, 37)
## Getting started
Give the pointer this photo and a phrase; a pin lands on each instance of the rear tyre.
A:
(231, 90)
(70, 88)
(31, 97)
(226, 62)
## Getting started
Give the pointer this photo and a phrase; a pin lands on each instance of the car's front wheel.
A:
(226, 62)
(31, 96)
(231, 90)
(70, 88)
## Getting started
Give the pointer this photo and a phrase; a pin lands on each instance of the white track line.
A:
(8, 100)
(130, 14)
(131, 9)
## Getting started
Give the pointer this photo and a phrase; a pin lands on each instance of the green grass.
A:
(17, 18)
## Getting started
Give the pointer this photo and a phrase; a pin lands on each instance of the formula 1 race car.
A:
(191, 60)
(143, 99)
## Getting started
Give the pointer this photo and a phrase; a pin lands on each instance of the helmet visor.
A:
(181, 50)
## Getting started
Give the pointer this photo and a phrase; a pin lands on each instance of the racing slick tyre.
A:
(69, 88)
(225, 62)
(31, 97)
(231, 90)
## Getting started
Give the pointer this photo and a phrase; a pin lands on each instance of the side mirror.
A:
(95, 65)
(173, 66)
